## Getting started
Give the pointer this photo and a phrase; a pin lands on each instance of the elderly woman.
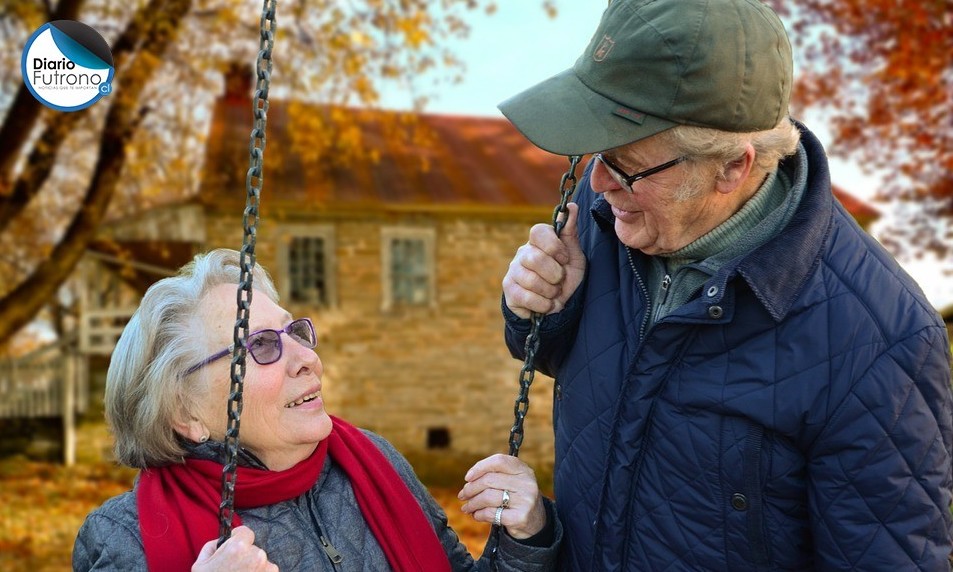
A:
(312, 493)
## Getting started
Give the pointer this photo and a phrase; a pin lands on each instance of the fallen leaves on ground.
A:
(42, 505)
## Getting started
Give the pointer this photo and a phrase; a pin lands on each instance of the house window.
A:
(408, 271)
(410, 277)
(305, 261)
(307, 270)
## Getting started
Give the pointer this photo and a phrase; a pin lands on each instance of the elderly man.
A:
(745, 380)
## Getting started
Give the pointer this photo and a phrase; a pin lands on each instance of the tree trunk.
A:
(39, 165)
(19, 307)
(26, 111)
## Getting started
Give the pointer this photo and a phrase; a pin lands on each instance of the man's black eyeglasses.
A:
(626, 181)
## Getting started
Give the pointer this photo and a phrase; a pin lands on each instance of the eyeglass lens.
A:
(265, 345)
(619, 177)
(302, 332)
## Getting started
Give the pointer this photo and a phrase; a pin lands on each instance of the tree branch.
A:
(19, 307)
(16, 195)
(25, 110)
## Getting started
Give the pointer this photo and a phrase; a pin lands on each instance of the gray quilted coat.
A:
(110, 538)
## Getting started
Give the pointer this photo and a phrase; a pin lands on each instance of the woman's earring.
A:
(203, 438)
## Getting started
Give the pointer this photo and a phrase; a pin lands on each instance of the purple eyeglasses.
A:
(265, 345)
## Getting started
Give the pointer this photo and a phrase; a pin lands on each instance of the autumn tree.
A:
(882, 72)
(62, 174)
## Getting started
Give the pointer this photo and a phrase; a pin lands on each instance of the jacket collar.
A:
(216, 451)
(805, 235)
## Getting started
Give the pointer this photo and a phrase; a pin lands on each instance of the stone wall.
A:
(405, 371)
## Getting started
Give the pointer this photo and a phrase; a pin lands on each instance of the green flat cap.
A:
(652, 65)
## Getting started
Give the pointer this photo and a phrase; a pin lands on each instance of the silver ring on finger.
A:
(506, 499)
(498, 516)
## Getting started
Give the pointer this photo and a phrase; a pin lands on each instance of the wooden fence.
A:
(49, 382)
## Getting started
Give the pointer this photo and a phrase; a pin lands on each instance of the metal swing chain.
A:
(567, 186)
(253, 184)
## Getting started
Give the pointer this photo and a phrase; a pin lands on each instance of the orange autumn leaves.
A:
(882, 71)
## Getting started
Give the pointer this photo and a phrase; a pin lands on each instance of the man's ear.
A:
(736, 172)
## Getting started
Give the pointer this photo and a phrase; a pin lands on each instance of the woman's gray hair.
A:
(719, 148)
(146, 391)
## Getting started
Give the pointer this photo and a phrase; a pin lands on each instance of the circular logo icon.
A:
(67, 65)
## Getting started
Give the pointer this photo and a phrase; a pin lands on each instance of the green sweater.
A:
(675, 277)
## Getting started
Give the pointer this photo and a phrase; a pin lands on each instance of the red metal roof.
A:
(461, 161)
(464, 161)
(858, 208)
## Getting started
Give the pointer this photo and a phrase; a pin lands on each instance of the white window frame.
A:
(428, 236)
(325, 232)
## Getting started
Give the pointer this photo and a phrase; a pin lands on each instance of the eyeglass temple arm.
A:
(210, 359)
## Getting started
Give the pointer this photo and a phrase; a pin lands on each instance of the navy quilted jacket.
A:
(794, 415)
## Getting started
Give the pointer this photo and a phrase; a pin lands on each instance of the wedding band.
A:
(498, 516)
(506, 499)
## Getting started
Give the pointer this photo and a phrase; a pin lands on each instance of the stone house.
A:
(398, 265)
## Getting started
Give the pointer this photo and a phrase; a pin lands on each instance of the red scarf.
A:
(178, 504)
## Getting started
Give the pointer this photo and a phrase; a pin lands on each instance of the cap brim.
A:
(563, 116)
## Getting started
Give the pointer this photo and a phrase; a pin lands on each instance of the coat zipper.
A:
(329, 549)
(333, 555)
(666, 284)
(645, 294)
(651, 411)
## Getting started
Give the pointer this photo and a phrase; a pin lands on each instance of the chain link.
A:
(567, 186)
(253, 185)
